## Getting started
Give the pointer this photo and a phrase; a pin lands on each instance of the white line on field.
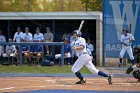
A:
(10, 88)
(7, 88)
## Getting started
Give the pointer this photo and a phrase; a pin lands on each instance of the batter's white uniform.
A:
(39, 37)
(83, 57)
(18, 36)
(127, 46)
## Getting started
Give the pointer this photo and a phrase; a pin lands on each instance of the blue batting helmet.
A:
(78, 32)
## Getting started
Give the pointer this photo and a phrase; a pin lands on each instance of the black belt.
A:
(127, 45)
(84, 53)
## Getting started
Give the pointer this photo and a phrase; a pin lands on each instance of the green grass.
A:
(36, 69)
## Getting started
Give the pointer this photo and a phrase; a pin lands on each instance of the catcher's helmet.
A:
(78, 32)
(136, 74)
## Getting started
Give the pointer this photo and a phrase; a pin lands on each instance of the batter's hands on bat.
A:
(74, 48)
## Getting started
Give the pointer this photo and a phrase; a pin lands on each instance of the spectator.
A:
(10, 51)
(18, 35)
(67, 51)
(90, 46)
(48, 36)
(66, 35)
(2, 39)
(37, 50)
(27, 37)
(38, 37)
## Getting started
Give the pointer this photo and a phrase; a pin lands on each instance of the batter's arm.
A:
(78, 47)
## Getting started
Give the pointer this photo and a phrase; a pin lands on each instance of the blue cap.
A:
(66, 39)
(18, 28)
(26, 28)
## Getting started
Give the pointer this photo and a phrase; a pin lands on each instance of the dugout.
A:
(59, 22)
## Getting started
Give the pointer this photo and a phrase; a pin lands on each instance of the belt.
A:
(84, 53)
(127, 45)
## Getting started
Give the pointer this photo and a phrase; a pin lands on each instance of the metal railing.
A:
(36, 43)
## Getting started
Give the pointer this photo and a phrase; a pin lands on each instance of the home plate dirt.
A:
(16, 84)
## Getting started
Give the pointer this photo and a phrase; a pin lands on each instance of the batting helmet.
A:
(125, 30)
(136, 74)
(78, 32)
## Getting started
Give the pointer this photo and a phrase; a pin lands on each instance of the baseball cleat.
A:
(81, 82)
(130, 69)
(110, 79)
(120, 64)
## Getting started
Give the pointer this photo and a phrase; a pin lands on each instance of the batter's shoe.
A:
(81, 82)
(130, 69)
(110, 79)
(120, 64)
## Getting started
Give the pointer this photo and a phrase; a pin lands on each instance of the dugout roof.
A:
(50, 15)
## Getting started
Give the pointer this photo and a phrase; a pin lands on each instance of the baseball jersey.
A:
(67, 48)
(25, 48)
(127, 38)
(39, 37)
(80, 42)
(2, 39)
(10, 49)
(28, 36)
(18, 36)
(37, 48)
(89, 51)
(90, 46)
(48, 37)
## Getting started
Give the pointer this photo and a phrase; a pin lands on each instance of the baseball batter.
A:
(126, 41)
(84, 59)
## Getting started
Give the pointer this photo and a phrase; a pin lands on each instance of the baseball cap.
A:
(66, 39)
(37, 28)
(26, 28)
(18, 28)
(47, 28)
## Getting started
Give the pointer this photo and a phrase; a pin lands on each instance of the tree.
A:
(92, 5)
(49, 5)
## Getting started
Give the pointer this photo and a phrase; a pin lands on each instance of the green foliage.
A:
(49, 5)
(92, 5)
(36, 69)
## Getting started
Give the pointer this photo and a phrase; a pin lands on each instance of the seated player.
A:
(36, 52)
(25, 53)
(67, 51)
(10, 51)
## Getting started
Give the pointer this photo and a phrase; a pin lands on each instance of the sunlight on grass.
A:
(42, 69)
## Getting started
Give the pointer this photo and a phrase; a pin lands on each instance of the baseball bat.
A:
(81, 25)
(130, 28)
